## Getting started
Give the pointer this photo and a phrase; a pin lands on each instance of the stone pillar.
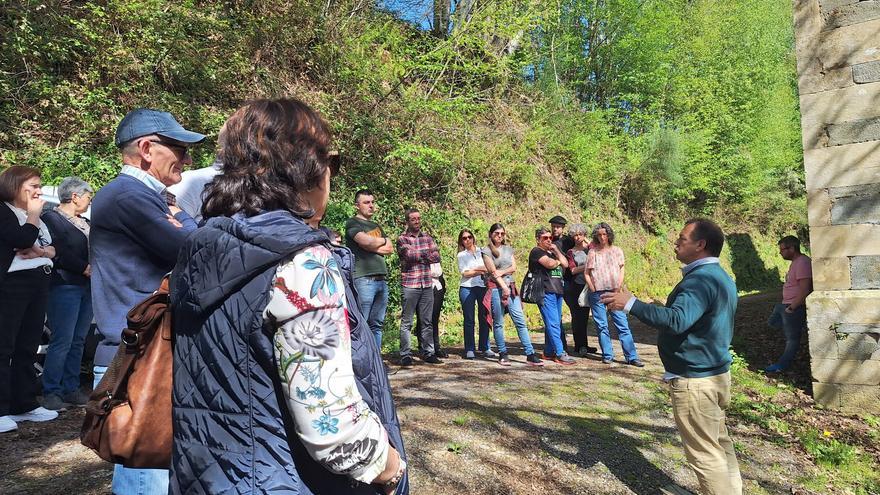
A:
(838, 65)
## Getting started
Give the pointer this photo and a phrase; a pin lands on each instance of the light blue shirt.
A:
(700, 262)
(141, 175)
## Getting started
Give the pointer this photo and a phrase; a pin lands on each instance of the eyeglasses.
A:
(182, 149)
(545, 237)
(467, 237)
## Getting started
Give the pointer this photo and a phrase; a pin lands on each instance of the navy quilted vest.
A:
(232, 431)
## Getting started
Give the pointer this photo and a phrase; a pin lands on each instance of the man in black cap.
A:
(562, 241)
(134, 238)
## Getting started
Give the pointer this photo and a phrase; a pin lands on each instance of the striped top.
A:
(604, 267)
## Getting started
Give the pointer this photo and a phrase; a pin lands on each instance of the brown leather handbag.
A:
(128, 416)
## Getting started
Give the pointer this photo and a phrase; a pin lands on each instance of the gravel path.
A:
(477, 427)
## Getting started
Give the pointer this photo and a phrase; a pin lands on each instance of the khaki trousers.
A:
(698, 406)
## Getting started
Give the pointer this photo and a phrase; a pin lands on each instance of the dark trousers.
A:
(414, 301)
(439, 294)
(23, 297)
(579, 316)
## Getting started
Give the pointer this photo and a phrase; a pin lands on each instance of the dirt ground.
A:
(477, 427)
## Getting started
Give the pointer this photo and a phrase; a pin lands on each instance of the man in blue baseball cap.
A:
(136, 232)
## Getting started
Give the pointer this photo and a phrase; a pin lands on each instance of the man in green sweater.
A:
(696, 327)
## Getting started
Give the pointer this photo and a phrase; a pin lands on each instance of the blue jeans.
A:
(792, 325)
(600, 318)
(372, 296)
(551, 313)
(70, 314)
(131, 481)
(469, 297)
(514, 307)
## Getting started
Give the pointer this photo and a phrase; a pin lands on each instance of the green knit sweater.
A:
(696, 325)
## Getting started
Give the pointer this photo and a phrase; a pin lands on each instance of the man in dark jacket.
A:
(134, 239)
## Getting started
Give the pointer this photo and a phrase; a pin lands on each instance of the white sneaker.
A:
(7, 424)
(489, 354)
(38, 415)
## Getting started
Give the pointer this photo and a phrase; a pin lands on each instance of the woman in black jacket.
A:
(25, 264)
(70, 302)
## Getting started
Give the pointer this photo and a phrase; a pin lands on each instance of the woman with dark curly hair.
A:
(278, 384)
(605, 271)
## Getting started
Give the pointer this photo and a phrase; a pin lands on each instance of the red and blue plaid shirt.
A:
(417, 252)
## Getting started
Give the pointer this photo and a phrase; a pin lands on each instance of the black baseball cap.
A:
(145, 121)
(558, 219)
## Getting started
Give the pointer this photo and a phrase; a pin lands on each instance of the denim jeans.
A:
(551, 313)
(470, 297)
(514, 307)
(372, 296)
(70, 314)
(600, 318)
(421, 300)
(792, 325)
(131, 481)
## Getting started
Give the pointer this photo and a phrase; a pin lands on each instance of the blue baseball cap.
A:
(145, 121)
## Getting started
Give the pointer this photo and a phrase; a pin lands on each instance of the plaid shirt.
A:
(417, 252)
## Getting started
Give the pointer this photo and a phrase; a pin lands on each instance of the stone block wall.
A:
(838, 64)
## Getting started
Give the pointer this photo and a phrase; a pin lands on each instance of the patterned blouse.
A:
(313, 349)
(604, 267)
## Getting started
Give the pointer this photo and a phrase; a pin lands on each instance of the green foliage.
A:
(637, 112)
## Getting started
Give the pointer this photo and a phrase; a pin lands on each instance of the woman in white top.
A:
(471, 290)
(26, 259)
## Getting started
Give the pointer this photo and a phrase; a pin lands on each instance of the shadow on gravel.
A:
(615, 442)
(47, 458)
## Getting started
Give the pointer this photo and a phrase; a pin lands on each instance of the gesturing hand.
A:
(615, 301)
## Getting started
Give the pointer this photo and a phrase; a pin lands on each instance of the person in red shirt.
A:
(791, 314)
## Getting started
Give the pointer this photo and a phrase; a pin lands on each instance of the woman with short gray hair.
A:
(73, 186)
(69, 311)
(577, 262)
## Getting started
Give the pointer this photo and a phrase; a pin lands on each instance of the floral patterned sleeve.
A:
(313, 350)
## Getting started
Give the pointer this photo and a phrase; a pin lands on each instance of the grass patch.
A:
(454, 447)
(838, 464)
(461, 420)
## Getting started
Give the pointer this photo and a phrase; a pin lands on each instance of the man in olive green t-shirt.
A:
(367, 241)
